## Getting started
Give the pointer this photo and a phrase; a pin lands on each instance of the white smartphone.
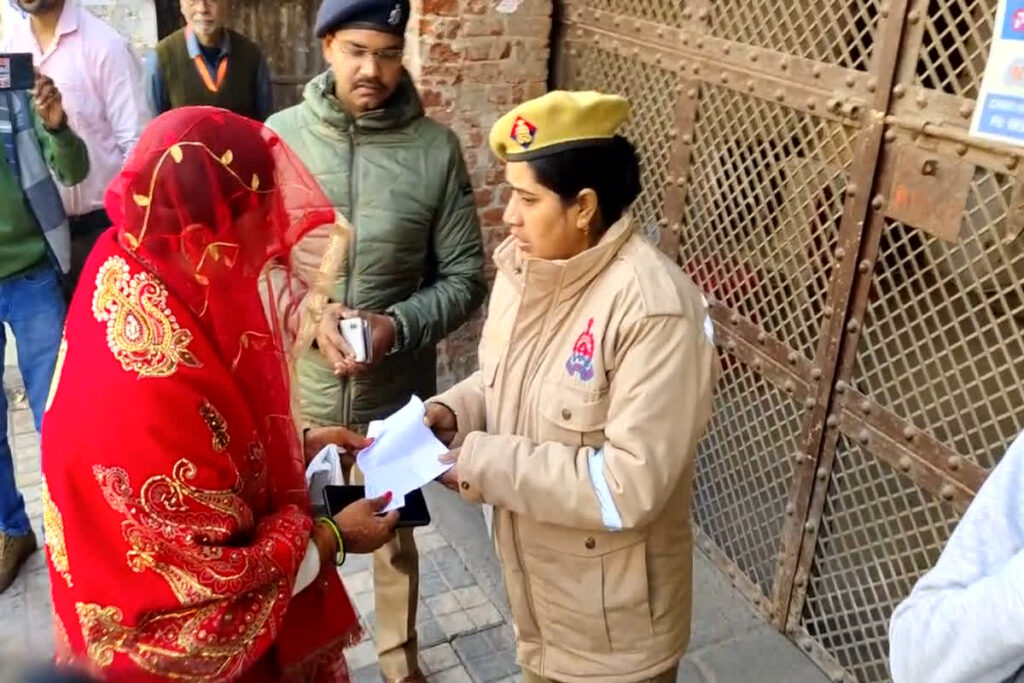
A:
(356, 333)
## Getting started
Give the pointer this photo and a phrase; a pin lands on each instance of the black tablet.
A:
(414, 513)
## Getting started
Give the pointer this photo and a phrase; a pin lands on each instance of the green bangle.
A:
(339, 559)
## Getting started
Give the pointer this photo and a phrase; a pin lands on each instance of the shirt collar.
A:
(193, 44)
(68, 22)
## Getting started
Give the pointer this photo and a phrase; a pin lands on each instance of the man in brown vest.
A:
(207, 63)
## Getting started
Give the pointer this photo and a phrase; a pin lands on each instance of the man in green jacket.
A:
(414, 266)
(35, 243)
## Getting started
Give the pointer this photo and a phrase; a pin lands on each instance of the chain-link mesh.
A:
(942, 344)
(957, 37)
(834, 31)
(667, 12)
(764, 204)
(878, 535)
(652, 92)
(744, 469)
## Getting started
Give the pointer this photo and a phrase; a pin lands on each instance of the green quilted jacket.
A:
(400, 179)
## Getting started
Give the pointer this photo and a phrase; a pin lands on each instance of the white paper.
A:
(403, 457)
(324, 470)
(999, 114)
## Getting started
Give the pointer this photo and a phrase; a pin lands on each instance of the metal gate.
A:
(867, 273)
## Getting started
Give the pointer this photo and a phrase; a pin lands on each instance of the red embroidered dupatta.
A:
(175, 507)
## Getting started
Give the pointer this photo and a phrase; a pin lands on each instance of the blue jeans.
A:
(33, 305)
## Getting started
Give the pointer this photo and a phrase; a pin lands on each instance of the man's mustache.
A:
(369, 83)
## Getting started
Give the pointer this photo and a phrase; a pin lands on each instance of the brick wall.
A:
(473, 60)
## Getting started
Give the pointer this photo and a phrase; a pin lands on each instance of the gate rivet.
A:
(800, 457)
(658, 59)
(735, 320)
(1012, 162)
(812, 103)
(840, 387)
(636, 52)
(838, 677)
(617, 21)
(872, 84)
(731, 345)
(758, 364)
(699, 43)
(754, 56)
(914, 17)
(832, 421)
(905, 463)
(751, 85)
(762, 337)
(696, 69)
(809, 528)
(822, 474)
(840, 254)
(865, 407)
(726, 49)
(684, 39)
(687, 13)
(878, 202)
(921, 101)
(692, 94)
(909, 433)
(784, 64)
(834, 104)
(890, 135)
(947, 492)
(810, 403)
(780, 95)
(853, 325)
(789, 386)
(827, 312)
(961, 149)
(680, 181)
(790, 510)
(725, 78)
(955, 462)
(637, 27)
(688, 138)
(865, 266)
(660, 33)
(883, 9)
(816, 373)
(899, 90)
(966, 109)
(702, 14)
(817, 71)
(864, 438)
(851, 190)
(806, 645)
(850, 81)
(793, 358)
(663, 222)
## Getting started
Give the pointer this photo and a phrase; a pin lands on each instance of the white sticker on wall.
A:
(508, 6)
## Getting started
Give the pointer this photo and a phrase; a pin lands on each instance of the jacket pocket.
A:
(573, 417)
(590, 591)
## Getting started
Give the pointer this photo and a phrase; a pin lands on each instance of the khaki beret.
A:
(556, 122)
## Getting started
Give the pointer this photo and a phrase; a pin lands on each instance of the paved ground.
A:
(463, 617)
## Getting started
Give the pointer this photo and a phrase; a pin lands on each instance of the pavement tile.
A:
(431, 584)
(364, 603)
(443, 604)
(359, 583)
(429, 542)
(471, 596)
(455, 624)
(438, 658)
(491, 668)
(485, 615)
(473, 646)
(368, 674)
(430, 633)
(456, 675)
(362, 655)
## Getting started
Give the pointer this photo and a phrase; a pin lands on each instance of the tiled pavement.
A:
(463, 635)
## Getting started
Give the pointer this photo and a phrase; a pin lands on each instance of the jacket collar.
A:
(565, 279)
(400, 109)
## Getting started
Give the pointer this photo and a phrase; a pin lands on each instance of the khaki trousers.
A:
(396, 592)
(667, 677)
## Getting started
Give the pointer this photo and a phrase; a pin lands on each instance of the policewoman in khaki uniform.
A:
(597, 366)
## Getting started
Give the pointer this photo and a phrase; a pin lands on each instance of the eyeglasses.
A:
(391, 55)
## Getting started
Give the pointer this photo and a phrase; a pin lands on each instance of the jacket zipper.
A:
(353, 189)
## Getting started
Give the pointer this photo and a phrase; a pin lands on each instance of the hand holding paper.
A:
(404, 455)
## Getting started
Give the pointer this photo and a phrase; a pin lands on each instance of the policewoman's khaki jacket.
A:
(611, 349)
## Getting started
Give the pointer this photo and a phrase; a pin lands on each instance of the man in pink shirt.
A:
(101, 81)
